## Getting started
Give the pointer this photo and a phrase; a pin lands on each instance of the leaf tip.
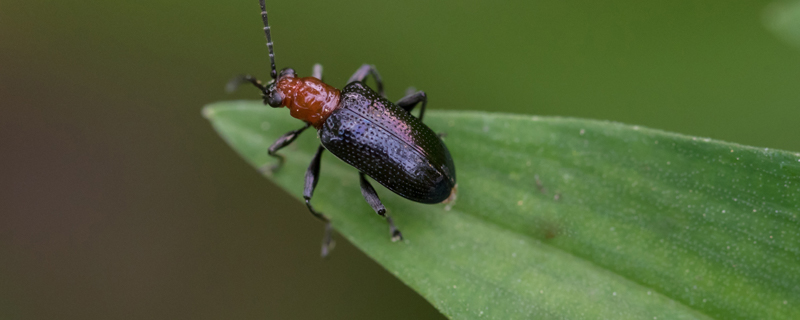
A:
(208, 111)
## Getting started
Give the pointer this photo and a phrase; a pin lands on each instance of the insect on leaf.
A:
(568, 218)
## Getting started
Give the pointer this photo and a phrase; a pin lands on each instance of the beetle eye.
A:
(273, 99)
(271, 95)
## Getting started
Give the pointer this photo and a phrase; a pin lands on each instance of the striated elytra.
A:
(390, 145)
(381, 139)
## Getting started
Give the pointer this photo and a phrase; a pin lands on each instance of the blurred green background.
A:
(120, 202)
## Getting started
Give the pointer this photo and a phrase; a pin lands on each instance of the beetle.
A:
(381, 139)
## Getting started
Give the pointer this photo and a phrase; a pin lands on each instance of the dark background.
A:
(118, 200)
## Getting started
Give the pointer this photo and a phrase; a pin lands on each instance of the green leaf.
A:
(568, 218)
(783, 19)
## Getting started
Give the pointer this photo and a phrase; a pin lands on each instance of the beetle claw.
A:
(327, 248)
(327, 241)
(396, 235)
(269, 169)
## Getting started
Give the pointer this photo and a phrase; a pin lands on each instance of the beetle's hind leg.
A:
(362, 73)
(312, 177)
(372, 198)
(411, 100)
(283, 141)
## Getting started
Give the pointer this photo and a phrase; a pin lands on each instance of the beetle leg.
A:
(317, 73)
(410, 101)
(312, 177)
(372, 198)
(396, 235)
(234, 83)
(283, 141)
(362, 73)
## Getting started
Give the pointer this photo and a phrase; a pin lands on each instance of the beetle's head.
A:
(273, 93)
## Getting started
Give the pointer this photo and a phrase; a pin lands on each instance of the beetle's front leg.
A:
(234, 83)
(312, 177)
(362, 73)
(410, 101)
(372, 198)
(283, 141)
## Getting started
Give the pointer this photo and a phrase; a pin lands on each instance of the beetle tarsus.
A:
(372, 199)
(312, 177)
(396, 235)
(316, 214)
(269, 169)
(237, 81)
(327, 241)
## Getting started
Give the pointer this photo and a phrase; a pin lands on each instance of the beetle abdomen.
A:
(388, 144)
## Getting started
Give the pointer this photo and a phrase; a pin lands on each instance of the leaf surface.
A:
(568, 218)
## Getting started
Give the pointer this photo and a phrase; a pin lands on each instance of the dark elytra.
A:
(390, 145)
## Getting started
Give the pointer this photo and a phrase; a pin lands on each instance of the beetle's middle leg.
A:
(312, 177)
(283, 141)
(372, 198)
(362, 73)
(410, 101)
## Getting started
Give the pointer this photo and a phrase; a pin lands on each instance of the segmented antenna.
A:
(274, 72)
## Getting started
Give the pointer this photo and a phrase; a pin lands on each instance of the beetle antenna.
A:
(274, 72)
